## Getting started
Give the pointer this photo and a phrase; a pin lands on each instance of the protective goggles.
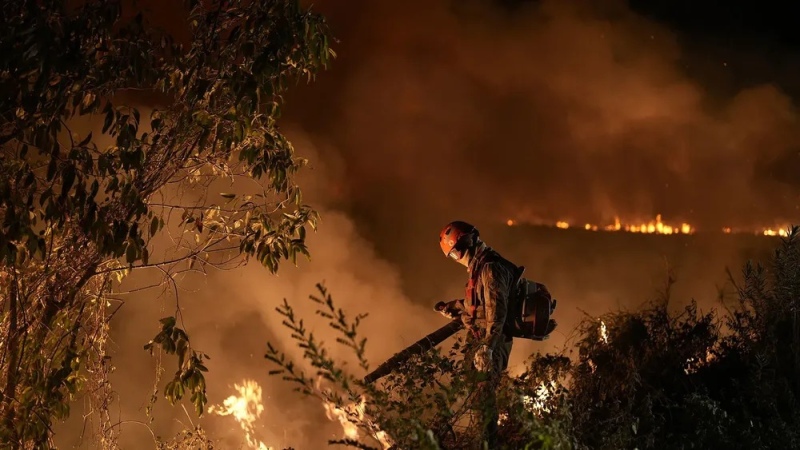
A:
(455, 254)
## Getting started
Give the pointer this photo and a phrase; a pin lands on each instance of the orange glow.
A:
(658, 226)
(776, 232)
(603, 332)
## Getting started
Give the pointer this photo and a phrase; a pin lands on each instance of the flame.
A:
(246, 408)
(603, 332)
(384, 439)
(604, 339)
(693, 364)
(538, 403)
(779, 232)
(765, 231)
(342, 415)
(353, 414)
(658, 226)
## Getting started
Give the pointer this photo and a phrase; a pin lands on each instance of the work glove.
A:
(448, 309)
(483, 358)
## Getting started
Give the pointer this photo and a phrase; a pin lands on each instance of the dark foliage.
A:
(81, 207)
(695, 380)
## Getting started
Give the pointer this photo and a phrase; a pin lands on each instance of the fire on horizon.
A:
(657, 226)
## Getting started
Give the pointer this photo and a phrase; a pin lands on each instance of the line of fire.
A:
(656, 226)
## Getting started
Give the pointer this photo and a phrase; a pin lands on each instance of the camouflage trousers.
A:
(484, 407)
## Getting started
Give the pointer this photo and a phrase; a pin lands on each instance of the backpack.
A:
(530, 311)
(529, 306)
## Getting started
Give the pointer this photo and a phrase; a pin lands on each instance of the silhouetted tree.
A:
(80, 210)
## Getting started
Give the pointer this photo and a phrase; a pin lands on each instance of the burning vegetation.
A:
(351, 417)
(657, 226)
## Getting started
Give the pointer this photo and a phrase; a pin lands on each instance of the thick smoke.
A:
(558, 110)
(555, 110)
(231, 315)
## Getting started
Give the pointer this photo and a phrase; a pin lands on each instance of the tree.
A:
(79, 211)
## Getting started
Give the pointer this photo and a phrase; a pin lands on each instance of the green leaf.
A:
(154, 226)
(67, 179)
(231, 114)
(179, 389)
(109, 119)
(85, 140)
(130, 253)
(51, 169)
(169, 391)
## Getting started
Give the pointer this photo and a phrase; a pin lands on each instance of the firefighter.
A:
(493, 284)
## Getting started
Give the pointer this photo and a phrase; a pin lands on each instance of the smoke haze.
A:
(555, 112)
(437, 111)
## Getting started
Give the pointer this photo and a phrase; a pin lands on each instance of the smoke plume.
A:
(231, 315)
(559, 110)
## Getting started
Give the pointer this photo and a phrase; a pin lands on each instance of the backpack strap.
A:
(487, 256)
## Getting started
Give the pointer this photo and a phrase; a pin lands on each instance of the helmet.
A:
(456, 238)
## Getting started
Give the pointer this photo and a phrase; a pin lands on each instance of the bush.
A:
(427, 404)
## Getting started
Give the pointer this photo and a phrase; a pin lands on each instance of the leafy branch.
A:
(189, 376)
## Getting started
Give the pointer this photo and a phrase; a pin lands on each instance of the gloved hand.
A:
(483, 358)
(447, 309)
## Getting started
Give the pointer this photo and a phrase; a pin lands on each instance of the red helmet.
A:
(456, 238)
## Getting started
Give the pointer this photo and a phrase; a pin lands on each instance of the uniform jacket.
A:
(489, 296)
